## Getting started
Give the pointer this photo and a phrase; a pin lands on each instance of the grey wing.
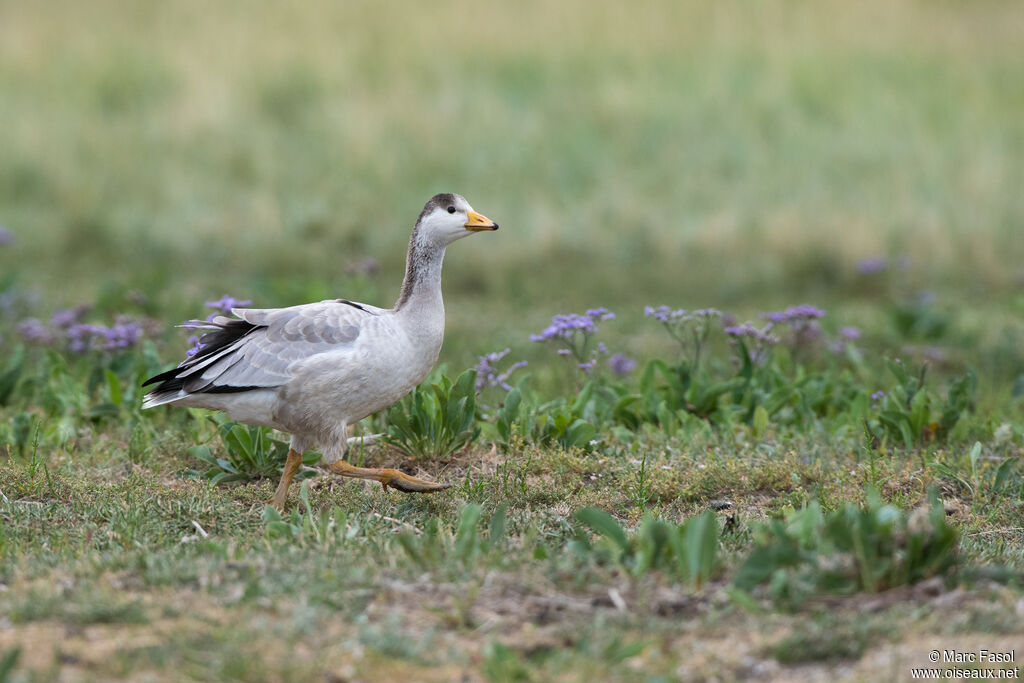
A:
(267, 343)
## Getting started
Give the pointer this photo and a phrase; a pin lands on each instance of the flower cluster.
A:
(667, 315)
(194, 341)
(621, 364)
(567, 327)
(6, 236)
(195, 346)
(122, 334)
(488, 375)
(65, 326)
(847, 335)
(796, 326)
(758, 342)
(223, 305)
(748, 331)
(32, 330)
(802, 322)
(689, 328)
(664, 314)
(794, 314)
(574, 332)
(64, 319)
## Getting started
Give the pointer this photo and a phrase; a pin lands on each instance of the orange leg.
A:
(291, 466)
(387, 477)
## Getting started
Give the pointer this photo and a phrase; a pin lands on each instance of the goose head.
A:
(449, 217)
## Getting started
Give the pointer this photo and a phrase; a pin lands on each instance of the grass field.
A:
(835, 502)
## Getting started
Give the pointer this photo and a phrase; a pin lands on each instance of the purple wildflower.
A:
(802, 321)
(69, 316)
(749, 331)
(803, 312)
(80, 336)
(573, 332)
(487, 374)
(807, 332)
(877, 396)
(846, 336)
(690, 329)
(123, 334)
(565, 327)
(758, 341)
(664, 314)
(6, 236)
(34, 331)
(621, 364)
(871, 266)
(226, 303)
(196, 347)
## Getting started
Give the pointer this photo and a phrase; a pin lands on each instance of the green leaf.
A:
(975, 454)
(579, 434)
(238, 439)
(202, 452)
(602, 523)
(1002, 474)
(760, 423)
(114, 387)
(701, 546)
(496, 530)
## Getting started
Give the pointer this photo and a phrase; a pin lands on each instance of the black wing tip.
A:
(212, 342)
(162, 377)
(226, 389)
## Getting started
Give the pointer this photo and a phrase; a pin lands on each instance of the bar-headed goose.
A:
(315, 369)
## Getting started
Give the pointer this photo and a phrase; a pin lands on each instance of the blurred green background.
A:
(742, 155)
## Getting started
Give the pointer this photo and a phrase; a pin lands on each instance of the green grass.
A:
(740, 156)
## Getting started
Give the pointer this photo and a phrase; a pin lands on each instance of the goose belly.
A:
(347, 387)
(249, 407)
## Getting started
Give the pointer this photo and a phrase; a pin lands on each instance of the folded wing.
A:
(260, 349)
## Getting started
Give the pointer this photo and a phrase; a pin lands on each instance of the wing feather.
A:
(262, 351)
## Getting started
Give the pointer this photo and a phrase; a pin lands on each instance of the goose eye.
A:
(451, 209)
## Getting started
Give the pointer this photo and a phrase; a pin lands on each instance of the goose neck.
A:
(421, 288)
